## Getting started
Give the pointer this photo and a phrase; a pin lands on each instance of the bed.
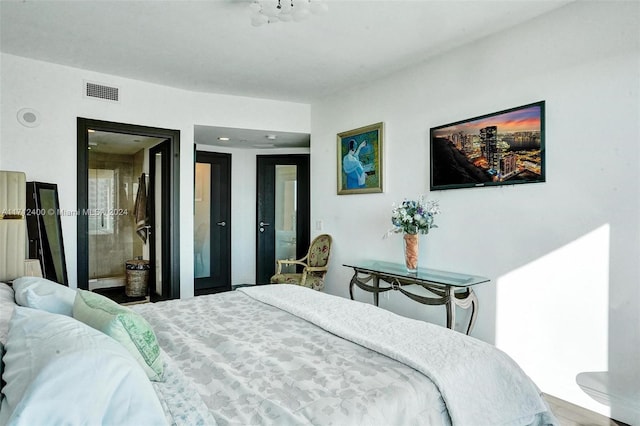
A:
(274, 354)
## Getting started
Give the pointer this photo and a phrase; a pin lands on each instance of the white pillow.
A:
(61, 371)
(7, 303)
(40, 293)
(6, 292)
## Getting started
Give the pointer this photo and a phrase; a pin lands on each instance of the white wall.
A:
(562, 255)
(48, 152)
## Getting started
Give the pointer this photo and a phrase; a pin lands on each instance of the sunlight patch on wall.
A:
(552, 315)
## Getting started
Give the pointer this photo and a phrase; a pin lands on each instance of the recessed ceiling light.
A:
(272, 137)
(223, 138)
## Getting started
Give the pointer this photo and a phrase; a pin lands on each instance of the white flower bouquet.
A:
(414, 216)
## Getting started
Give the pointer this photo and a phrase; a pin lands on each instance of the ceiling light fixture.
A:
(223, 138)
(271, 137)
(271, 11)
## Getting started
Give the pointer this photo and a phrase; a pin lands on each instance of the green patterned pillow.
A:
(124, 325)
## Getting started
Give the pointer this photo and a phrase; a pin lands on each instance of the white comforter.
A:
(261, 355)
(243, 362)
(480, 384)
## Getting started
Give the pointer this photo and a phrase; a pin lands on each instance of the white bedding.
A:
(253, 360)
(181, 403)
(60, 371)
(252, 363)
(277, 354)
(480, 384)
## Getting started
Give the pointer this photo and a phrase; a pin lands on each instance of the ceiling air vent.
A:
(100, 91)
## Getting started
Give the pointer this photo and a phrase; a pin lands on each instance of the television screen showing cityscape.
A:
(502, 148)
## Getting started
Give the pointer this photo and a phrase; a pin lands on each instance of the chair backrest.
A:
(319, 250)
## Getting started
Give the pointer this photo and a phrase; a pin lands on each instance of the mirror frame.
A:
(39, 239)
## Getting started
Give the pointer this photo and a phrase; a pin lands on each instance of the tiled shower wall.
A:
(112, 238)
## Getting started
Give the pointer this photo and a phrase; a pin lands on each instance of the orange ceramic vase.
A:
(411, 252)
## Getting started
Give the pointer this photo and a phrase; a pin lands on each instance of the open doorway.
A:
(128, 221)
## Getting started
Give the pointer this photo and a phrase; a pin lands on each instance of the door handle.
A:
(262, 225)
(223, 223)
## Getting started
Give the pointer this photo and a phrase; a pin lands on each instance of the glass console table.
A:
(449, 288)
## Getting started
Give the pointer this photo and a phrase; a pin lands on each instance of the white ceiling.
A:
(249, 138)
(119, 143)
(211, 46)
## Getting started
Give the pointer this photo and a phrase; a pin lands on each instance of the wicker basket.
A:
(137, 277)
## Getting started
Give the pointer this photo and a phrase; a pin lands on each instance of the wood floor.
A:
(569, 414)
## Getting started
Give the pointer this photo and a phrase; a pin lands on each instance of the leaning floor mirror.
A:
(45, 231)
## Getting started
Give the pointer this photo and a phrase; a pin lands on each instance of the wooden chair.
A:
(315, 265)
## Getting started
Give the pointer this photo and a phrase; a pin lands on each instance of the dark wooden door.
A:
(212, 223)
(271, 235)
(158, 206)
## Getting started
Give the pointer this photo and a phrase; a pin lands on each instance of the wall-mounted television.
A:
(501, 148)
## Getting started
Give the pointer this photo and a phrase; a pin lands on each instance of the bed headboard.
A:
(13, 234)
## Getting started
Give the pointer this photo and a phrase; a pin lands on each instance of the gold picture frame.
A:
(360, 160)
